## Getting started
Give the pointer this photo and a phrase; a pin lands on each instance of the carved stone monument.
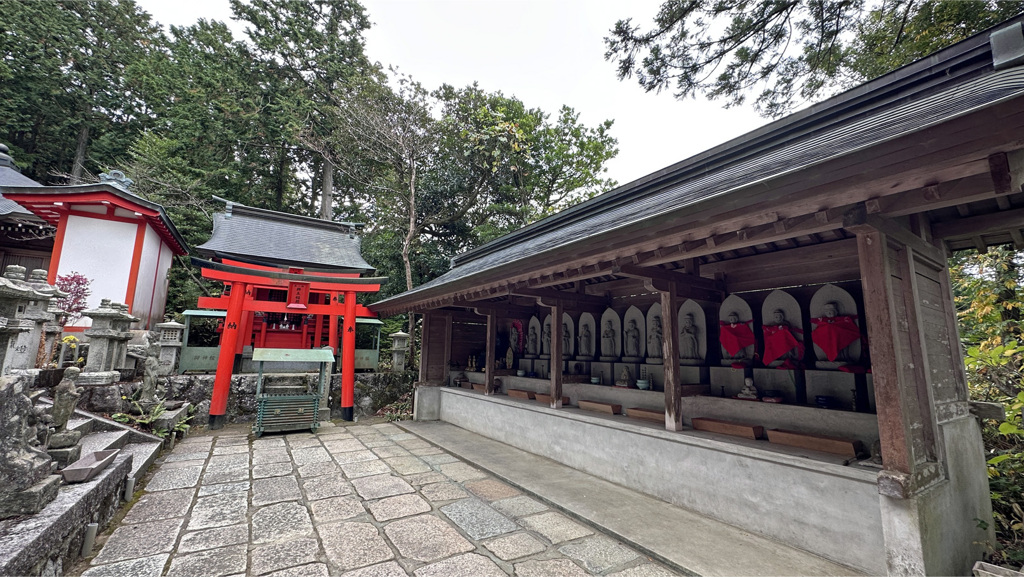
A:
(545, 339)
(655, 335)
(171, 340)
(735, 331)
(692, 333)
(749, 391)
(587, 339)
(634, 339)
(835, 328)
(533, 339)
(783, 330)
(108, 342)
(64, 448)
(147, 395)
(568, 336)
(611, 326)
(26, 485)
(37, 315)
(15, 296)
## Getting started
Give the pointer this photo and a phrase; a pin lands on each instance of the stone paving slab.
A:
(161, 505)
(389, 569)
(280, 522)
(468, 565)
(311, 570)
(275, 490)
(219, 510)
(426, 538)
(141, 540)
(425, 478)
(336, 509)
(210, 563)
(555, 527)
(166, 479)
(325, 486)
(346, 445)
(519, 506)
(407, 465)
(283, 555)
(230, 449)
(221, 488)
(443, 491)
(645, 570)
(365, 469)
(477, 519)
(354, 456)
(550, 568)
(318, 469)
(213, 538)
(271, 470)
(353, 545)
(491, 490)
(599, 553)
(311, 455)
(145, 567)
(397, 507)
(515, 546)
(379, 486)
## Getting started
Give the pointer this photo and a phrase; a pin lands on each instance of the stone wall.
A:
(197, 389)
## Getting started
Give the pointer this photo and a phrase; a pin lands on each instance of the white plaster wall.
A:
(151, 288)
(826, 509)
(156, 314)
(102, 251)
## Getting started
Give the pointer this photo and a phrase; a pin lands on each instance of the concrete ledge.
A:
(49, 542)
(804, 499)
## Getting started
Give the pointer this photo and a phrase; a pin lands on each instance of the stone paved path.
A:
(358, 501)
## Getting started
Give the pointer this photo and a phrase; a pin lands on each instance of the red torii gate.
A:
(240, 301)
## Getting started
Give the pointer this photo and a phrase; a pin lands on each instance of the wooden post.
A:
(226, 356)
(670, 359)
(424, 345)
(332, 331)
(556, 355)
(492, 342)
(446, 373)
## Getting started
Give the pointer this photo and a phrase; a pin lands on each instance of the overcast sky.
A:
(546, 53)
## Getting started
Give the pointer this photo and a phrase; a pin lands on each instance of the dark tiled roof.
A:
(948, 84)
(278, 238)
(11, 176)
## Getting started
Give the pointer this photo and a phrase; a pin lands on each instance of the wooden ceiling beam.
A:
(982, 224)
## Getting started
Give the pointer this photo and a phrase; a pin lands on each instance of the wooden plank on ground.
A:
(600, 407)
(520, 394)
(546, 399)
(646, 414)
(479, 387)
(728, 428)
(834, 445)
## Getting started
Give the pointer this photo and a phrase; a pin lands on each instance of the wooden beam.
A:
(681, 279)
(670, 359)
(982, 224)
(548, 297)
(944, 194)
(999, 168)
(858, 221)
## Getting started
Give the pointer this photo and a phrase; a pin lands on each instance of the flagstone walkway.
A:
(358, 501)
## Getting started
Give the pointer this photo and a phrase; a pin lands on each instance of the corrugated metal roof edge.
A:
(971, 57)
(105, 187)
(432, 286)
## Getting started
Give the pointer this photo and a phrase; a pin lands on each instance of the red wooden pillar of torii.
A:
(348, 358)
(226, 358)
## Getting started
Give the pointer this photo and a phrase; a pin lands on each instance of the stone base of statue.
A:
(654, 360)
(100, 398)
(829, 364)
(64, 439)
(530, 356)
(545, 356)
(605, 359)
(690, 362)
(566, 357)
(632, 359)
(584, 358)
(98, 378)
(31, 500)
(65, 456)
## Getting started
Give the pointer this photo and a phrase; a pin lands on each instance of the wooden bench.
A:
(546, 399)
(728, 428)
(479, 387)
(600, 407)
(520, 394)
(646, 414)
(835, 445)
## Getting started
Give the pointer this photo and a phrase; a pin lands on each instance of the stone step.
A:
(143, 455)
(103, 440)
(169, 419)
(83, 425)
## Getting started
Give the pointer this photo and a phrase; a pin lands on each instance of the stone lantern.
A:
(399, 349)
(171, 339)
(108, 342)
(42, 312)
(15, 296)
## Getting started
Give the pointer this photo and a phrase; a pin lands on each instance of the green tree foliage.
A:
(787, 52)
(69, 94)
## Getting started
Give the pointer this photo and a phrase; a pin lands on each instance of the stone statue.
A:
(632, 336)
(547, 338)
(655, 339)
(625, 379)
(513, 338)
(531, 345)
(608, 340)
(688, 338)
(586, 340)
(749, 391)
(565, 339)
(147, 396)
(65, 399)
(23, 463)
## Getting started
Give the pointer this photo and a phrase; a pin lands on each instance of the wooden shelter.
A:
(841, 214)
(300, 280)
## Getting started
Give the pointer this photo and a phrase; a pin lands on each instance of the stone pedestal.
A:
(31, 500)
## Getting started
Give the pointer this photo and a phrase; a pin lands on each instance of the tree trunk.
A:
(327, 194)
(78, 167)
